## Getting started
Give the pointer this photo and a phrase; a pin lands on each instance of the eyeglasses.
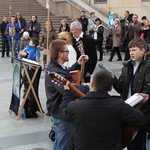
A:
(65, 51)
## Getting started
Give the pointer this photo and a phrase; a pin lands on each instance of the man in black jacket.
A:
(59, 55)
(5, 44)
(88, 47)
(84, 21)
(98, 117)
(34, 29)
(135, 78)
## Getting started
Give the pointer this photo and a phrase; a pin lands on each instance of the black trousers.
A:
(115, 50)
(5, 46)
(98, 44)
(127, 53)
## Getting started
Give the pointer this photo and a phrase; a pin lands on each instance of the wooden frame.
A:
(30, 87)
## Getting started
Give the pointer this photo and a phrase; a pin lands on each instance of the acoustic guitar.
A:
(128, 131)
(81, 71)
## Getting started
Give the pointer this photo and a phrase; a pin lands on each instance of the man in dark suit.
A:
(88, 47)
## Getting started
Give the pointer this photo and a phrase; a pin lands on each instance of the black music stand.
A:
(30, 79)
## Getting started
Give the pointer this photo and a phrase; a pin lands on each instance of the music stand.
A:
(27, 67)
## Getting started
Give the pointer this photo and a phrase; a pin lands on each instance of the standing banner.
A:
(15, 100)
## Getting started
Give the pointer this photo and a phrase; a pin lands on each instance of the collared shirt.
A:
(95, 32)
(63, 66)
(81, 36)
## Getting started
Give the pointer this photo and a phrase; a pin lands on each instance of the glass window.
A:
(100, 1)
(145, 0)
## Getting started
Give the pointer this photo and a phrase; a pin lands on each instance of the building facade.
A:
(139, 7)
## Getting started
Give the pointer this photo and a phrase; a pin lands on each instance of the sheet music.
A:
(30, 61)
(134, 99)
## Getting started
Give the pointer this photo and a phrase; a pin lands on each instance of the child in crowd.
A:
(24, 40)
(29, 52)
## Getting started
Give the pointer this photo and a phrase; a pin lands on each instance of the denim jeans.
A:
(16, 47)
(148, 47)
(5, 46)
(63, 133)
(38, 53)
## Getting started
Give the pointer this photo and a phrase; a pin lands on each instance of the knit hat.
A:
(25, 34)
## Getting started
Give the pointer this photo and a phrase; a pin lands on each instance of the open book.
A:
(134, 99)
(30, 61)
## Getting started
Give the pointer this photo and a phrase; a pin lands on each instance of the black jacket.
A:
(90, 50)
(98, 119)
(140, 81)
(3, 28)
(100, 33)
(84, 22)
(34, 33)
(66, 30)
(54, 91)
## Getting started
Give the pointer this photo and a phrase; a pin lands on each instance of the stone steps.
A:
(28, 8)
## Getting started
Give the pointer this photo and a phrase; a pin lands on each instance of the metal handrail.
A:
(76, 8)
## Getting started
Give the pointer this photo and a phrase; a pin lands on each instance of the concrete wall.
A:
(119, 6)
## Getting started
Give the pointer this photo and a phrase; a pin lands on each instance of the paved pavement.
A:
(30, 133)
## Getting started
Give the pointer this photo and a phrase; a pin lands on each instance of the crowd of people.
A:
(95, 120)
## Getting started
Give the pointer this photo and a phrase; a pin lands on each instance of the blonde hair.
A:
(64, 20)
(66, 36)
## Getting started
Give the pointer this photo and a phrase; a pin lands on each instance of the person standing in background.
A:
(64, 26)
(5, 44)
(132, 31)
(22, 23)
(66, 36)
(84, 22)
(91, 23)
(34, 29)
(24, 40)
(116, 35)
(15, 25)
(98, 37)
(52, 36)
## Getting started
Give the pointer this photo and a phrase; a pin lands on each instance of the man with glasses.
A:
(54, 92)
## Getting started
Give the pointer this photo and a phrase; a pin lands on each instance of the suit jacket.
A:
(90, 50)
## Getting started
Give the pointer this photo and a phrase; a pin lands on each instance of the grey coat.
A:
(117, 35)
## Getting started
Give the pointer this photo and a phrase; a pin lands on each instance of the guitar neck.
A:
(82, 71)
(75, 90)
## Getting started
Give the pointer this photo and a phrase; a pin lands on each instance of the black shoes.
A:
(119, 60)
(100, 59)
(4, 56)
(109, 60)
